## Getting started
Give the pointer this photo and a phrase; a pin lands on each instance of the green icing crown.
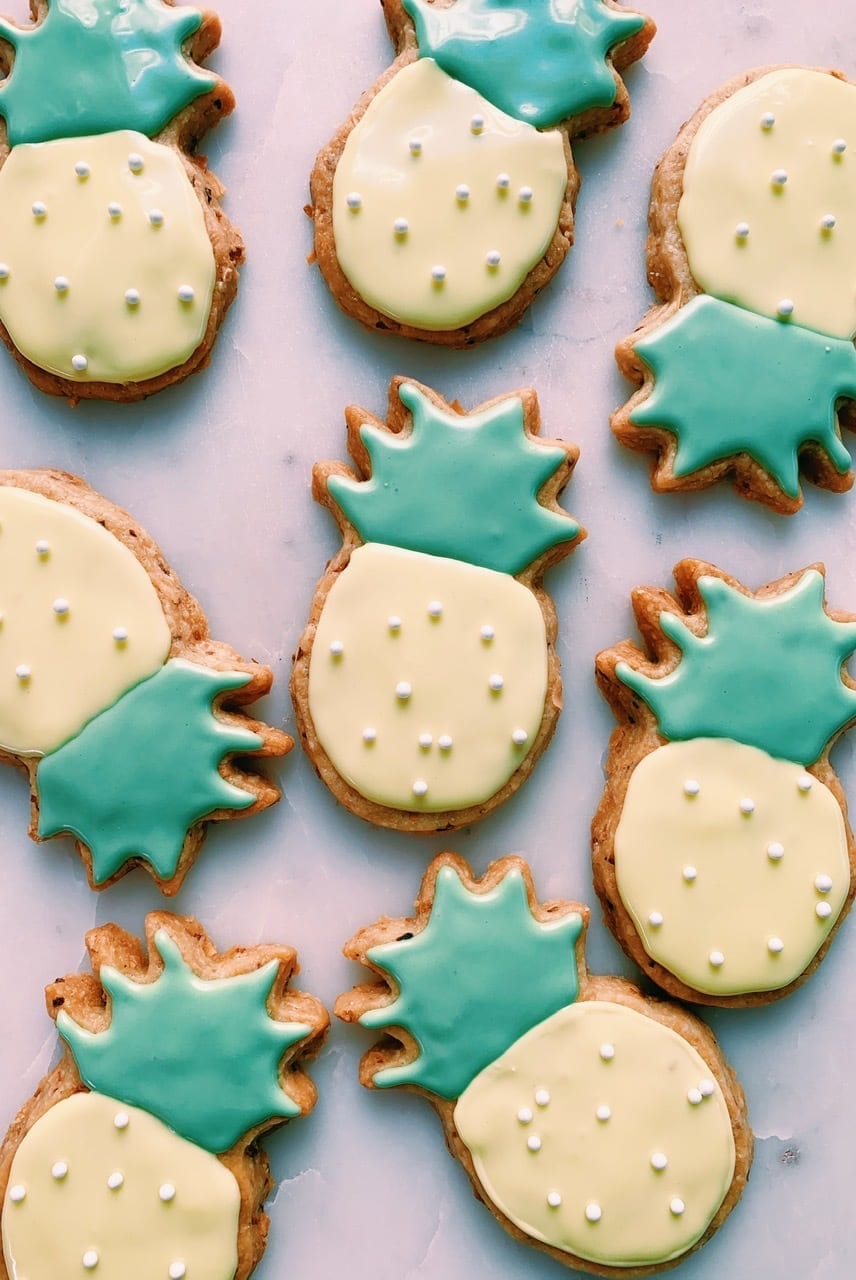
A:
(767, 673)
(465, 487)
(201, 1055)
(92, 66)
(480, 975)
(540, 61)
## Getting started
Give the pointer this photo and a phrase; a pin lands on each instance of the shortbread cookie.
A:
(426, 684)
(124, 713)
(745, 362)
(118, 263)
(596, 1123)
(722, 853)
(138, 1156)
(445, 202)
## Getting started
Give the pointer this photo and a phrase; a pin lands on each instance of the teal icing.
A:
(202, 1055)
(137, 777)
(465, 487)
(480, 975)
(540, 61)
(768, 672)
(729, 381)
(92, 66)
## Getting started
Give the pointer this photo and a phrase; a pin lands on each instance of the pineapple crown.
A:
(766, 671)
(92, 66)
(540, 61)
(480, 973)
(202, 1055)
(465, 486)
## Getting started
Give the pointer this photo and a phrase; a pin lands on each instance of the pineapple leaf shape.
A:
(598, 1123)
(494, 937)
(122, 64)
(214, 1074)
(541, 63)
(426, 682)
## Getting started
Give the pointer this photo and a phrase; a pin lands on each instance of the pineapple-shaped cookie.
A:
(138, 1156)
(114, 698)
(116, 262)
(596, 1123)
(722, 853)
(445, 202)
(426, 683)
(745, 363)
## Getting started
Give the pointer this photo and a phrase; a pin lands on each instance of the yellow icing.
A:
(77, 669)
(102, 257)
(603, 1163)
(741, 899)
(787, 254)
(448, 665)
(393, 272)
(135, 1234)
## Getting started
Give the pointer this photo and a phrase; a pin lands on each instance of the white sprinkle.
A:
(186, 293)
(425, 741)
(828, 222)
(823, 911)
(691, 787)
(655, 919)
(80, 363)
(496, 682)
(707, 1088)
(415, 147)
(177, 1271)
(90, 1259)
(166, 1192)
(420, 787)
(487, 633)
(435, 609)
(524, 1115)
(785, 307)
(839, 146)
(677, 1206)
(401, 226)
(114, 209)
(132, 297)
(354, 200)
(823, 884)
(747, 806)
(135, 162)
(61, 284)
(594, 1213)
(659, 1161)
(525, 195)
(438, 274)
(805, 782)
(554, 1199)
(493, 258)
(444, 742)
(393, 623)
(779, 177)
(42, 547)
(694, 1097)
(742, 230)
(61, 606)
(603, 1113)
(4, 271)
(520, 737)
(477, 124)
(534, 1143)
(717, 959)
(462, 192)
(403, 690)
(59, 1171)
(156, 217)
(23, 672)
(767, 120)
(82, 169)
(775, 946)
(542, 1097)
(689, 874)
(121, 1120)
(503, 181)
(120, 635)
(369, 735)
(116, 1180)
(337, 648)
(607, 1052)
(17, 1194)
(775, 851)
(40, 209)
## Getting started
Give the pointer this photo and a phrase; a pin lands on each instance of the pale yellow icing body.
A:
(448, 665)
(787, 253)
(102, 257)
(741, 899)
(604, 1162)
(134, 1232)
(393, 272)
(76, 666)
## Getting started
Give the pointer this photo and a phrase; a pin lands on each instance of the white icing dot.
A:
(767, 120)
(354, 200)
(823, 884)
(487, 633)
(525, 195)
(401, 226)
(689, 874)
(542, 1097)
(603, 1113)
(135, 162)
(839, 146)
(166, 1192)
(4, 271)
(524, 1115)
(121, 1120)
(114, 209)
(534, 1143)
(444, 742)
(17, 1194)
(425, 741)
(706, 1088)
(742, 230)
(435, 609)
(369, 735)
(827, 222)
(779, 177)
(694, 1097)
(120, 635)
(156, 217)
(116, 1180)
(403, 690)
(775, 851)
(659, 1161)
(82, 169)
(717, 959)
(607, 1052)
(655, 919)
(80, 363)
(393, 623)
(415, 147)
(677, 1206)
(503, 181)
(785, 307)
(520, 737)
(496, 682)
(90, 1259)
(823, 911)
(186, 293)
(594, 1213)
(132, 297)
(747, 806)
(462, 192)
(477, 124)
(775, 946)
(177, 1271)
(23, 672)
(420, 787)
(805, 782)
(40, 209)
(61, 606)
(59, 1171)
(691, 787)
(61, 284)
(554, 1199)
(438, 274)
(337, 648)
(493, 258)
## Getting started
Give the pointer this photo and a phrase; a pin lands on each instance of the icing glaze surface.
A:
(615, 1193)
(453, 729)
(134, 1233)
(111, 276)
(460, 255)
(781, 182)
(759, 845)
(66, 584)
